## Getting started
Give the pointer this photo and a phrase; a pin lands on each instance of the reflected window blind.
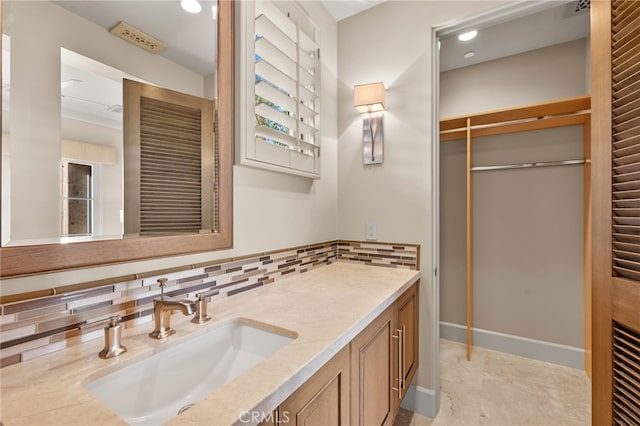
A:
(287, 82)
(625, 58)
(170, 168)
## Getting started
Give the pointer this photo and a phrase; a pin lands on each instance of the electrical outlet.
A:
(371, 231)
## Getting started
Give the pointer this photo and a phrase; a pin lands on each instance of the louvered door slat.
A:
(626, 374)
(627, 229)
(627, 194)
(625, 55)
(625, 71)
(628, 393)
(627, 178)
(626, 238)
(630, 203)
(627, 52)
(622, 38)
(626, 122)
(623, 159)
(627, 220)
(623, 15)
(628, 89)
(624, 118)
(626, 212)
(627, 273)
(626, 186)
(627, 168)
(627, 149)
(627, 255)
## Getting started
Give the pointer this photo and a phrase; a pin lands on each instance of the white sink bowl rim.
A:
(165, 384)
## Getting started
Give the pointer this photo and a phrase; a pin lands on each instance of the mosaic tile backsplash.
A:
(35, 327)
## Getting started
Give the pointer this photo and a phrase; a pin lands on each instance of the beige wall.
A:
(271, 210)
(553, 72)
(392, 43)
(528, 235)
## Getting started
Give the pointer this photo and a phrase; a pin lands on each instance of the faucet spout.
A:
(162, 308)
(186, 306)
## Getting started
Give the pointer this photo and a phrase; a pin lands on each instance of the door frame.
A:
(481, 20)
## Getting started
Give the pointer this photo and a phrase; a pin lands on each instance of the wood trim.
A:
(557, 107)
(526, 126)
(131, 157)
(469, 240)
(39, 259)
(601, 211)
(586, 193)
(226, 117)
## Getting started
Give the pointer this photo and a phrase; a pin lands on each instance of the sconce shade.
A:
(369, 97)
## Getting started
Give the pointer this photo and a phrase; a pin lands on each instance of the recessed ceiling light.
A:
(469, 54)
(191, 6)
(467, 36)
(214, 11)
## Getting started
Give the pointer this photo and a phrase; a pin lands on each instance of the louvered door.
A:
(616, 211)
(169, 164)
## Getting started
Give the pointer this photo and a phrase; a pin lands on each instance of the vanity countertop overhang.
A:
(326, 307)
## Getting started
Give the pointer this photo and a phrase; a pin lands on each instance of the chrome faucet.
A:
(162, 309)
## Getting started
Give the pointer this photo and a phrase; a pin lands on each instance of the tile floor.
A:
(497, 389)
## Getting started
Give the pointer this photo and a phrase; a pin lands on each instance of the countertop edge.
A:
(272, 401)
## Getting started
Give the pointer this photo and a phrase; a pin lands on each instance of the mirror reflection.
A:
(64, 157)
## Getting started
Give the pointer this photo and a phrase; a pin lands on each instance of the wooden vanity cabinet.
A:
(406, 341)
(384, 359)
(365, 382)
(372, 386)
(323, 400)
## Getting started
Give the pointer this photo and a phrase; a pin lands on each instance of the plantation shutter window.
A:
(283, 76)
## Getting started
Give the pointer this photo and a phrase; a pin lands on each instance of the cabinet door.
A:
(371, 374)
(407, 332)
(324, 399)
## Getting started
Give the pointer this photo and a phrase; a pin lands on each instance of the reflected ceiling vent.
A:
(577, 8)
(137, 37)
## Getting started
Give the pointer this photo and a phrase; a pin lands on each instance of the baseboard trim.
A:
(569, 356)
(420, 400)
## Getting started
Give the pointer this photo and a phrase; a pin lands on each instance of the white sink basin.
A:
(157, 388)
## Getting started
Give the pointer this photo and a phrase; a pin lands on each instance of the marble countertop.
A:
(326, 307)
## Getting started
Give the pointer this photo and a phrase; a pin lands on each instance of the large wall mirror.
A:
(117, 132)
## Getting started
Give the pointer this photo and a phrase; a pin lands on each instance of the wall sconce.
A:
(369, 98)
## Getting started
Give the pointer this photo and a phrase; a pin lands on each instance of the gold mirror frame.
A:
(39, 259)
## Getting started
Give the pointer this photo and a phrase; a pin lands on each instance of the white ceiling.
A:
(545, 28)
(341, 9)
(550, 23)
(190, 38)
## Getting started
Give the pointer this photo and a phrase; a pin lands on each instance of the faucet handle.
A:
(162, 282)
(112, 339)
(201, 312)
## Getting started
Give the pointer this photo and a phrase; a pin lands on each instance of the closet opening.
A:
(512, 182)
